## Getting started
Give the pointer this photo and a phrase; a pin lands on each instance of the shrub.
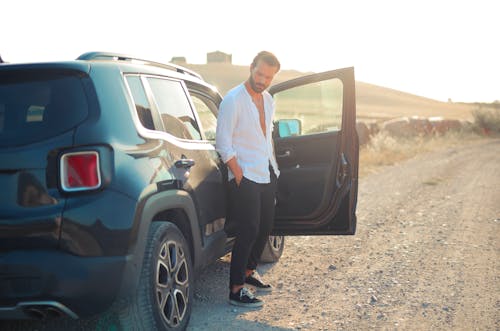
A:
(487, 120)
(384, 149)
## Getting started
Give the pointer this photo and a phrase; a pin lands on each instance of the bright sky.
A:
(439, 49)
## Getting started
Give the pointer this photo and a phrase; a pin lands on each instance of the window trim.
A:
(159, 132)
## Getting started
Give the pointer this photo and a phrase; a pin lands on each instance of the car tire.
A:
(164, 296)
(273, 249)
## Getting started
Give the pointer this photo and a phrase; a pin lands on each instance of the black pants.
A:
(252, 210)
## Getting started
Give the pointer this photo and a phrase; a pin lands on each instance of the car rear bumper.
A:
(67, 284)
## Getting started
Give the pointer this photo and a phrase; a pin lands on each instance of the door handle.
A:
(184, 163)
(285, 154)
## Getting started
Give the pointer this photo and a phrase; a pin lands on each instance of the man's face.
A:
(261, 76)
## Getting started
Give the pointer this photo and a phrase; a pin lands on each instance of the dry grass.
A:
(384, 150)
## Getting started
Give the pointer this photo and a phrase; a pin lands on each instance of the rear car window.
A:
(36, 105)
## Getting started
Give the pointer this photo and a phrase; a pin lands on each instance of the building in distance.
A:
(219, 57)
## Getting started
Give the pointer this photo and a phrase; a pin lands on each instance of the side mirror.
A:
(289, 127)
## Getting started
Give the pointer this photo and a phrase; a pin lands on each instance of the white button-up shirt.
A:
(240, 135)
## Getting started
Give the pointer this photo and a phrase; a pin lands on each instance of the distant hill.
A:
(372, 102)
(225, 76)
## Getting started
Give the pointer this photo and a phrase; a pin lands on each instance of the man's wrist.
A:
(235, 168)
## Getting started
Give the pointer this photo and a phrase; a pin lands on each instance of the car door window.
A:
(141, 102)
(318, 106)
(206, 112)
(175, 109)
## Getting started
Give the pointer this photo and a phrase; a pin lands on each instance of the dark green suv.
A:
(113, 196)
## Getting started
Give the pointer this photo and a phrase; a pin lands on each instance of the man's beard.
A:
(256, 88)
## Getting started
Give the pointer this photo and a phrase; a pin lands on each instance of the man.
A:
(244, 141)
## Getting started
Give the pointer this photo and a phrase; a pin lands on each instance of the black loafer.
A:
(244, 298)
(255, 281)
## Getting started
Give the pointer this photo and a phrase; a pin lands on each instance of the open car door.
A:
(317, 150)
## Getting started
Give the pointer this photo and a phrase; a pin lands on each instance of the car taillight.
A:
(80, 171)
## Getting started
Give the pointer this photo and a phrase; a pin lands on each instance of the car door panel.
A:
(303, 174)
(317, 188)
(195, 163)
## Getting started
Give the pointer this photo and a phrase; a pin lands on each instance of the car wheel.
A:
(273, 249)
(164, 296)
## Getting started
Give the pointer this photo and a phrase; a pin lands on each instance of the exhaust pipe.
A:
(54, 312)
(40, 312)
(36, 310)
(43, 310)
(35, 313)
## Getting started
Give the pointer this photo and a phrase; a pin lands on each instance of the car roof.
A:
(127, 58)
(126, 64)
(63, 65)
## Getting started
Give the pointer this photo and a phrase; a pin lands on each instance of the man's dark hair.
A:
(268, 58)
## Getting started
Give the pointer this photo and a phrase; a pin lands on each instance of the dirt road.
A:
(426, 256)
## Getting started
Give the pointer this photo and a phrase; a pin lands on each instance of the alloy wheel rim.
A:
(172, 283)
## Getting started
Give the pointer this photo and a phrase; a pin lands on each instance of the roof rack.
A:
(123, 57)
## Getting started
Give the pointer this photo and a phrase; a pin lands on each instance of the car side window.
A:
(206, 109)
(317, 106)
(141, 102)
(175, 109)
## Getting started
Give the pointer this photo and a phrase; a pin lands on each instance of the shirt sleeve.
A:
(226, 122)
